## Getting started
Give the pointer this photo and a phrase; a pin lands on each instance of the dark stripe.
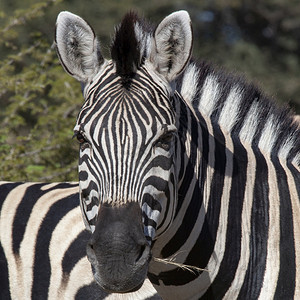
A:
(32, 195)
(259, 231)
(92, 221)
(287, 272)
(90, 292)
(146, 81)
(186, 173)
(158, 182)
(296, 175)
(186, 180)
(4, 283)
(232, 252)
(167, 194)
(161, 161)
(204, 245)
(42, 268)
(91, 187)
(187, 223)
(103, 85)
(152, 202)
(153, 278)
(5, 189)
(95, 201)
(148, 222)
(75, 252)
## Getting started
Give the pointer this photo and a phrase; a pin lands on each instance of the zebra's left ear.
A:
(172, 45)
(77, 46)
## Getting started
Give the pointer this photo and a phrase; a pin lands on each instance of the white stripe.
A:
(237, 283)
(18, 288)
(210, 96)
(296, 223)
(268, 136)
(149, 231)
(273, 247)
(37, 215)
(286, 147)
(151, 213)
(190, 83)
(195, 289)
(65, 232)
(266, 144)
(92, 212)
(145, 292)
(206, 278)
(80, 276)
(229, 114)
(250, 123)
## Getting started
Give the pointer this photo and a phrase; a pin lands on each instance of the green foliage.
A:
(39, 101)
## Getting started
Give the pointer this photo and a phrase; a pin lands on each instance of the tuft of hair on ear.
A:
(125, 49)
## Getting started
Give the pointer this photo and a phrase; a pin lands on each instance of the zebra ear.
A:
(172, 47)
(77, 46)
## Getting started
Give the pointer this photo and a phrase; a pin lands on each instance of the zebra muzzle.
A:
(118, 250)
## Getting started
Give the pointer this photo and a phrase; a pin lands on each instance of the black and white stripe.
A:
(212, 162)
(245, 229)
(42, 245)
(96, 176)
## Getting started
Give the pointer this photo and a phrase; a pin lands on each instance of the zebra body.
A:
(43, 241)
(181, 162)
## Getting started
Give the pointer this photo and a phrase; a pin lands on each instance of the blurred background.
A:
(39, 101)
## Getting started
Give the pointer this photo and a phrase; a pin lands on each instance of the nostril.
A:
(143, 254)
(142, 249)
(90, 245)
(91, 255)
(90, 249)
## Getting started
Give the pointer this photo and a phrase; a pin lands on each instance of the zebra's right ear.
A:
(77, 46)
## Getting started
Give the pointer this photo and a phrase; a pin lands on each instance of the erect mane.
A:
(241, 109)
(130, 45)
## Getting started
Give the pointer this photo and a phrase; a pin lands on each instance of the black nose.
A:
(137, 251)
(118, 249)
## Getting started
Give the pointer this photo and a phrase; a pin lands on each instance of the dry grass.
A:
(171, 261)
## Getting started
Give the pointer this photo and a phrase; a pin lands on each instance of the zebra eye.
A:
(80, 138)
(165, 141)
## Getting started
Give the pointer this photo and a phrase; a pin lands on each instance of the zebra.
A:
(42, 245)
(181, 162)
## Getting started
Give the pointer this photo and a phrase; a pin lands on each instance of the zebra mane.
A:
(130, 46)
(241, 109)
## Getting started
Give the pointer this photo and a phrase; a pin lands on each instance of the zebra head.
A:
(127, 133)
